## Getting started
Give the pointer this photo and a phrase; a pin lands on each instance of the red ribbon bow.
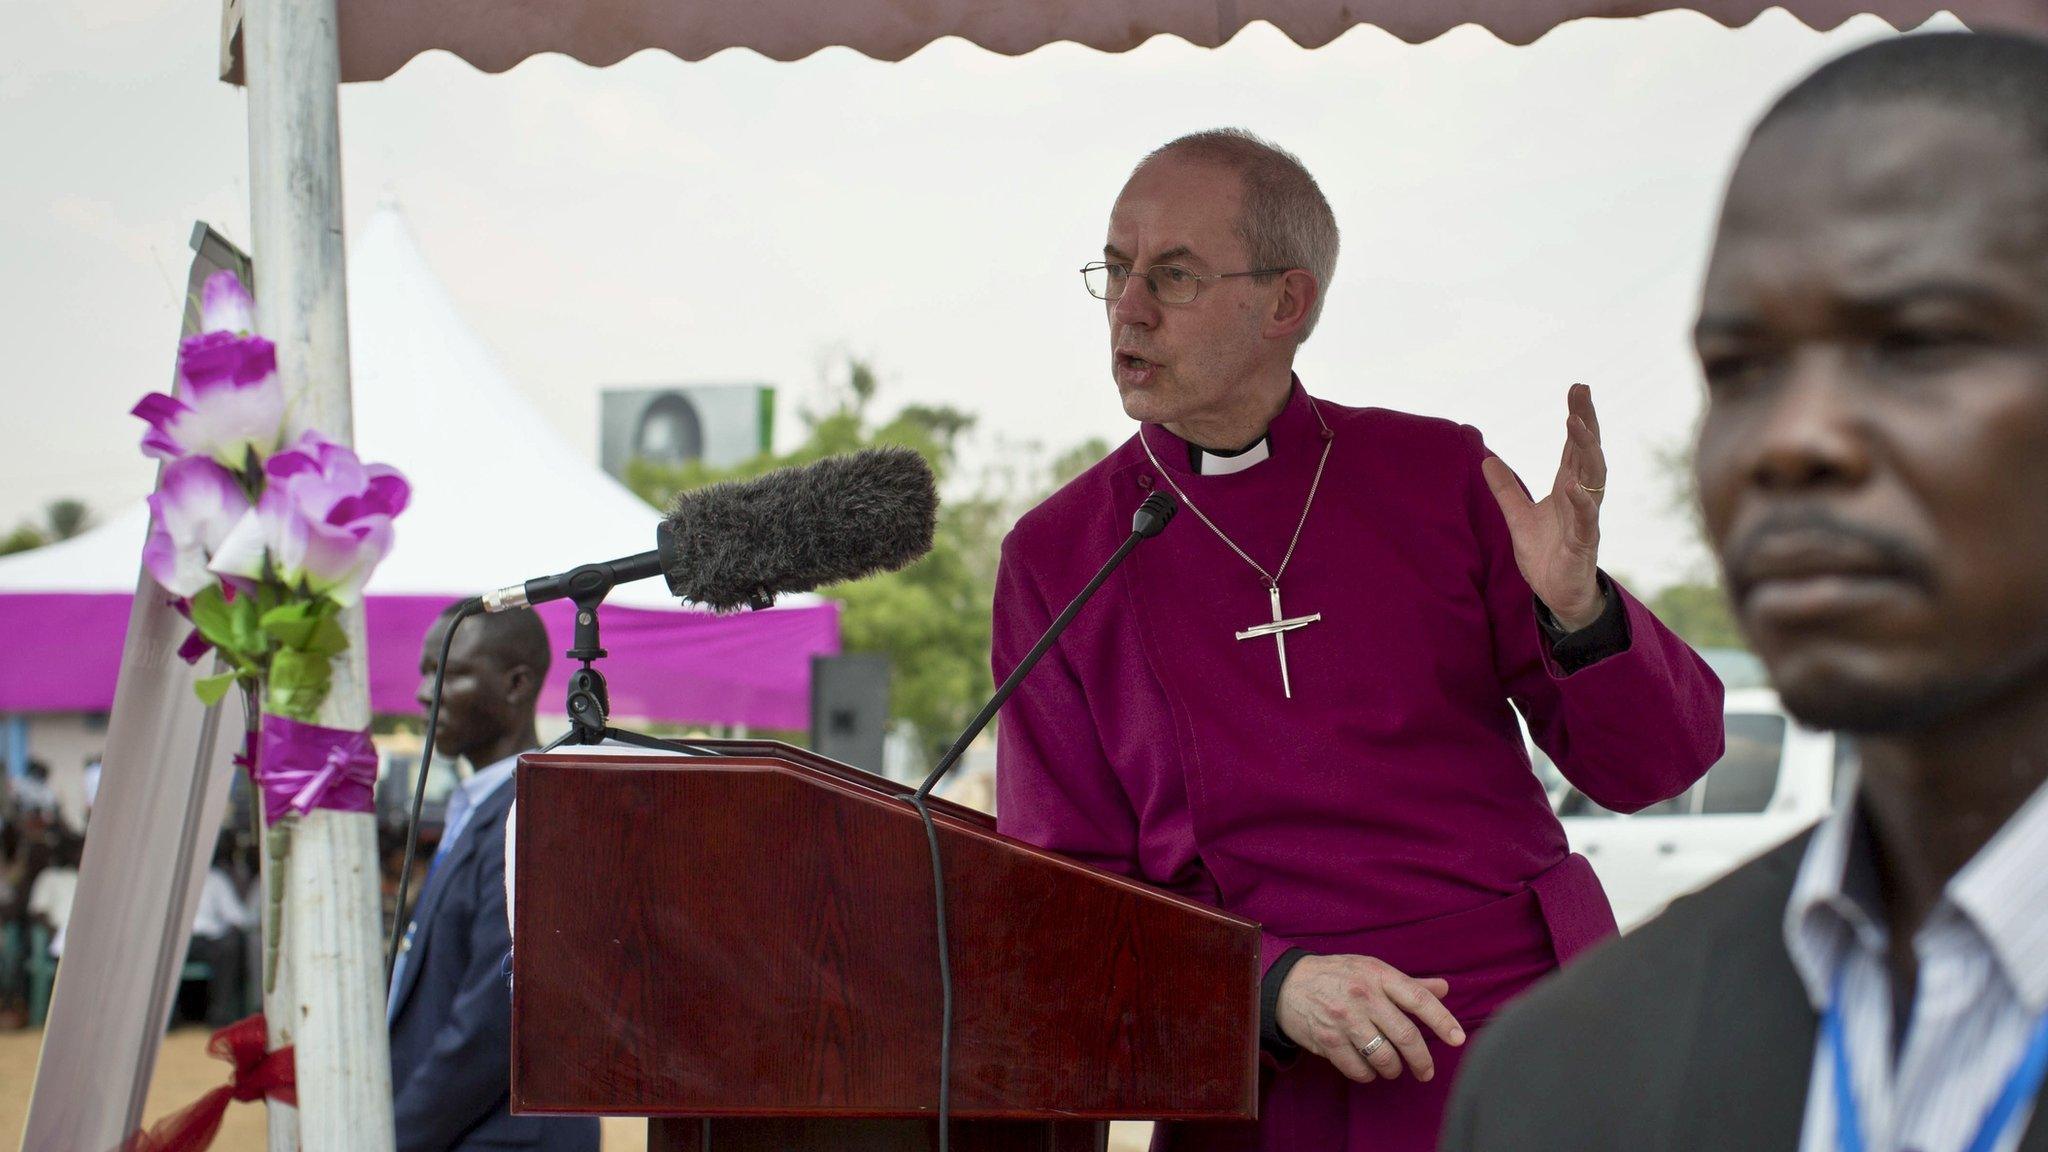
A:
(258, 1073)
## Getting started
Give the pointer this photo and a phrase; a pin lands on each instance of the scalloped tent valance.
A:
(379, 36)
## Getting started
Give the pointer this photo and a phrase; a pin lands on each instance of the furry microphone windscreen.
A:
(742, 543)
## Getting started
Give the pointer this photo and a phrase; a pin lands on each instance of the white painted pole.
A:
(329, 1000)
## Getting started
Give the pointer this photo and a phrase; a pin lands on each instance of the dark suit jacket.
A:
(451, 1037)
(1690, 1034)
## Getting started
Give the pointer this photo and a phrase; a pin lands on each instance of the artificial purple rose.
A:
(228, 403)
(323, 522)
(191, 513)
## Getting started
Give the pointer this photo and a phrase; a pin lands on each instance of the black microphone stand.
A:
(590, 701)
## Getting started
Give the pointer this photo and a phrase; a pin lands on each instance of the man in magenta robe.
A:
(1298, 703)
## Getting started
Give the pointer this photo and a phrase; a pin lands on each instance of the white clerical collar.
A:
(1207, 463)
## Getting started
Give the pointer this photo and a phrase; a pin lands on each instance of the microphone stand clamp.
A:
(590, 700)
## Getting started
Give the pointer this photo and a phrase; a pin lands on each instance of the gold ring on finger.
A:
(1589, 488)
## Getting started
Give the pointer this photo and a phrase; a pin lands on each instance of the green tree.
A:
(66, 518)
(23, 538)
(1077, 460)
(62, 519)
(1696, 608)
(1698, 612)
(932, 618)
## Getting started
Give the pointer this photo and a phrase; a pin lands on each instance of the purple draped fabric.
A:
(63, 653)
(304, 766)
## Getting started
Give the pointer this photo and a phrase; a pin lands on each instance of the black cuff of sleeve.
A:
(1271, 1038)
(1607, 636)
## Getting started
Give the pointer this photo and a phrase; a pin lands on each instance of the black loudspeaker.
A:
(850, 708)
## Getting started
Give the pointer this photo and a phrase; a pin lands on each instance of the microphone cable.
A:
(931, 834)
(1160, 509)
(474, 606)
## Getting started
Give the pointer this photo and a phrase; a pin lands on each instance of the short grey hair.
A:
(1285, 222)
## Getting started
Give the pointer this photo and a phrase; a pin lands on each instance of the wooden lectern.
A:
(741, 947)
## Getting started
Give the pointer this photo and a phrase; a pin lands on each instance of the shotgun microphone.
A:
(743, 543)
(1150, 520)
(728, 546)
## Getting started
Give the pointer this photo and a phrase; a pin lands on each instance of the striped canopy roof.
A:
(379, 36)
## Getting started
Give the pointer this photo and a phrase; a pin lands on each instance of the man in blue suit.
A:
(451, 1004)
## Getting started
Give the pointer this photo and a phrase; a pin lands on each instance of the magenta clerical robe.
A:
(1387, 809)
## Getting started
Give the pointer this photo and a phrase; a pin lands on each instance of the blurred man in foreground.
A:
(1874, 471)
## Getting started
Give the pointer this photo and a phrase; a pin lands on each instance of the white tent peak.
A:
(497, 496)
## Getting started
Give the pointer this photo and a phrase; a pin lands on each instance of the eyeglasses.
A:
(1170, 283)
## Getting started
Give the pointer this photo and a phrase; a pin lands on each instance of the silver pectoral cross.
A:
(1278, 630)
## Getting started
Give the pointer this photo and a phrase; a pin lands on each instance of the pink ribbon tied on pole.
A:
(302, 766)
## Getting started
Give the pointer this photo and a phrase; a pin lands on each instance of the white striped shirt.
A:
(1982, 985)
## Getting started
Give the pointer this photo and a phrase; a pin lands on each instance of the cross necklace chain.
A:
(1281, 624)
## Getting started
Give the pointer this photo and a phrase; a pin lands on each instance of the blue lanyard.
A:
(2019, 1088)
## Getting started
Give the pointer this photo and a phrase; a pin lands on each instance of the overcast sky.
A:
(1514, 219)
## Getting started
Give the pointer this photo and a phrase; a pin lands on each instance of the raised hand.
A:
(1557, 538)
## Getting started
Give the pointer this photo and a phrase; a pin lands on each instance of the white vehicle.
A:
(1774, 779)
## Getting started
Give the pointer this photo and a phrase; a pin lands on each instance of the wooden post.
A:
(329, 997)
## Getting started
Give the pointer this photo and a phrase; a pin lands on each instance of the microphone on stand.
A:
(1149, 521)
(726, 546)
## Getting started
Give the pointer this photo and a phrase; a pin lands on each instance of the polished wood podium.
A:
(741, 947)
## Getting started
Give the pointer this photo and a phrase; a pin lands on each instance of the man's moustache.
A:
(1814, 529)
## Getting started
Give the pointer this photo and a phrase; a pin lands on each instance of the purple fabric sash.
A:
(303, 766)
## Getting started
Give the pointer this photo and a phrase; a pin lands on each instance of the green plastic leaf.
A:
(212, 688)
(291, 625)
(245, 628)
(297, 684)
(307, 625)
(211, 615)
(328, 639)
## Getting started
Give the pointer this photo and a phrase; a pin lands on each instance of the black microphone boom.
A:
(1149, 521)
(589, 579)
(743, 543)
(1145, 523)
